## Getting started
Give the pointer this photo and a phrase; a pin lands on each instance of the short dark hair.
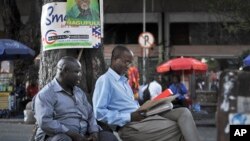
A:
(64, 62)
(118, 51)
(178, 77)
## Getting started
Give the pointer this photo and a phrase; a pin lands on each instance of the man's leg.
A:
(59, 137)
(185, 120)
(154, 128)
(107, 136)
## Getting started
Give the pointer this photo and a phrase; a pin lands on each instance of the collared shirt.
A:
(56, 111)
(179, 88)
(154, 89)
(113, 99)
(142, 88)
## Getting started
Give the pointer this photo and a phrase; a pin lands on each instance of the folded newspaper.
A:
(165, 106)
(158, 105)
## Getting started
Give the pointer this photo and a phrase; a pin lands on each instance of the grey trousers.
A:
(174, 125)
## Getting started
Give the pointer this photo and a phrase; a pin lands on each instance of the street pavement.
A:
(16, 130)
(207, 133)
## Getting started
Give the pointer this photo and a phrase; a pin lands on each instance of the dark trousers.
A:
(103, 136)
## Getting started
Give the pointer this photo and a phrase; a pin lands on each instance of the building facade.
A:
(180, 28)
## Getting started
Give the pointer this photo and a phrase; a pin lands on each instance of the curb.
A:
(11, 120)
(200, 122)
(205, 122)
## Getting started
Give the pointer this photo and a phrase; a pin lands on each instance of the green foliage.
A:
(212, 64)
(236, 10)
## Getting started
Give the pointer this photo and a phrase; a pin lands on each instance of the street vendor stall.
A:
(10, 50)
(184, 65)
(6, 83)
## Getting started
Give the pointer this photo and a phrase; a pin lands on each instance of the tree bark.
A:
(11, 19)
(92, 60)
(236, 10)
(28, 33)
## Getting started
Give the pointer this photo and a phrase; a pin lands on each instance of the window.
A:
(179, 34)
(127, 33)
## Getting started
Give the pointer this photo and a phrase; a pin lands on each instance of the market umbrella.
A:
(246, 61)
(11, 49)
(186, 65)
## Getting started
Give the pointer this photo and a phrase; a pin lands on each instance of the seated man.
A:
(114, 104)
(177, 87)
(62, 111)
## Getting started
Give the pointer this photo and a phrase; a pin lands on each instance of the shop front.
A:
(6, 84)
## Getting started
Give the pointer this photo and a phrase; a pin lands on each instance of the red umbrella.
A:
(182, 64)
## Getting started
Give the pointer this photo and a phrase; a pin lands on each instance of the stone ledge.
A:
(205, 122)
(212, 104)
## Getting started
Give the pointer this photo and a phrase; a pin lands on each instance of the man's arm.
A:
(102, 99)
(183, 89)
(44, 114)
(92, 124)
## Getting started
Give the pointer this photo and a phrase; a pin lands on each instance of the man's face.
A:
(123, 63)
(73, 74)
(175, 79)
(83, 4)
(159, 79)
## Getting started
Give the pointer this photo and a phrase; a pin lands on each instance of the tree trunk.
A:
(28, 33)
(11, 19)
(92, 61)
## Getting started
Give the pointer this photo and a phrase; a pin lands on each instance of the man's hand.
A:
(138, 115)
(76, 137)
(93, 137)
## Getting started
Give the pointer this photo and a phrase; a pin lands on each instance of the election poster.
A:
(57, 34)
(83, 12)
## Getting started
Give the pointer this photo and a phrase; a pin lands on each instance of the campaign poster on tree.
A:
(83, 12)
(57, 34)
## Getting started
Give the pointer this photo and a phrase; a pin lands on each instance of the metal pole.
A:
(102, 18)
(144, 50)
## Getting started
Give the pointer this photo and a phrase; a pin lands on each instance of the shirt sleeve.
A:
(173, 88)
(92, 126)
(101, 101)
(44, 114)
(159, 89)
(183, 89)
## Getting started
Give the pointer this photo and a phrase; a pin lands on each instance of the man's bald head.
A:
(66, 63)
(68, 72)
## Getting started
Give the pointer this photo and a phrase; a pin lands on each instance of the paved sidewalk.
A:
(208, 133)
(14, 120)
(16, 130)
